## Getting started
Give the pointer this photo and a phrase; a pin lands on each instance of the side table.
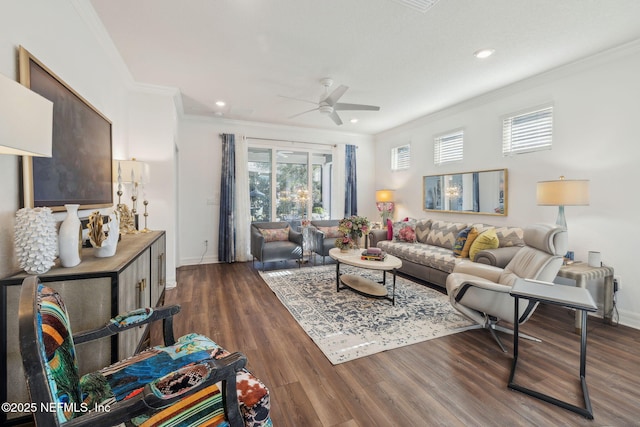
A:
(581, 272)
(307, 242)
(566, 296)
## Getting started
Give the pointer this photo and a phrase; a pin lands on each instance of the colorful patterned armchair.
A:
(188, 382)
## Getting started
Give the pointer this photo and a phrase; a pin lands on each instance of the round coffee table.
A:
(360, 284)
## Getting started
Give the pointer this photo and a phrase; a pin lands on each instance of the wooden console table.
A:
(94, 291)
(581, 273)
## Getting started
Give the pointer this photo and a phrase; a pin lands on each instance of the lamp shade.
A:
(26, 120)
(563, 192)
(384, 196)
(131, 171)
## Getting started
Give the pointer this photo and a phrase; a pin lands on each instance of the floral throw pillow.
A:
(401, 225)
(275, 234)
(407, 234)
(330, 231)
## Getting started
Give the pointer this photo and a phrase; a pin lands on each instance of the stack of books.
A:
(373, 254)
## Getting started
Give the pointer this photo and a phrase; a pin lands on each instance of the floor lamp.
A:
(563, 192)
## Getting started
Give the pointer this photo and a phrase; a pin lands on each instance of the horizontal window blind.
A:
(400, 157)
(448, 147)
(526, 132)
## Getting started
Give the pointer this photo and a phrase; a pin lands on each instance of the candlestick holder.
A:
(146, 215)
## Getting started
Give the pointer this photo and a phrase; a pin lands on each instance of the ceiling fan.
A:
(329, 104)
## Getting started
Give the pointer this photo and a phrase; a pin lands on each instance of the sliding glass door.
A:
(289, 185)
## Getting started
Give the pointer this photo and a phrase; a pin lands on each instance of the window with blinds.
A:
(448, 147)
(528, 131)
(400, 157)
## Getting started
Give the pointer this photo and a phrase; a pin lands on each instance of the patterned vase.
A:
(108, 247)
(70, 238)
(36, 240)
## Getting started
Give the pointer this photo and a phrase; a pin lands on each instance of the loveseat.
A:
(426, 247)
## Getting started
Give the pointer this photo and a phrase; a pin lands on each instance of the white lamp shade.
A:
(563, 192)
(26, 120)
(131, 171)
(384, 196)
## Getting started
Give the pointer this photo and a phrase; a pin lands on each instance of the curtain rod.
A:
(291, 141)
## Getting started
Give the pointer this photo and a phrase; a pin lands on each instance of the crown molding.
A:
(581, 65)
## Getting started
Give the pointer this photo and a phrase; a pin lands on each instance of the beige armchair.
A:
(481, 292)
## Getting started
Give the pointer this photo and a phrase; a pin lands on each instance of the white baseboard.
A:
(629, 318)
(199, 260)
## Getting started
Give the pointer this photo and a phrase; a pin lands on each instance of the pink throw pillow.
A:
(275, 234)
(407, 234)
(330, 231)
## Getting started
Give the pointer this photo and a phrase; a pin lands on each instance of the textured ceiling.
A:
(251, 53)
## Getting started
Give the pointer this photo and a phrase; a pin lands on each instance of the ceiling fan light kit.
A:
(329, 105)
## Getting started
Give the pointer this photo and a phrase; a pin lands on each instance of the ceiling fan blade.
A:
(304, 112)
(336, 118)
(335, 95)
(298, 99)
(342, 107)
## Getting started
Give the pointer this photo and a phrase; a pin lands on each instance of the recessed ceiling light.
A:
(483, 53)
(354, 120)
(220, 103)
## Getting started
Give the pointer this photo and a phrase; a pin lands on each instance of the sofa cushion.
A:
(507, 236)
(422, 230)
(431, 256)
(444, 233)
(275, 234)
(510, 236)
(486, 240)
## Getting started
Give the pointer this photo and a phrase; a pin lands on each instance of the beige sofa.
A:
(431, 257)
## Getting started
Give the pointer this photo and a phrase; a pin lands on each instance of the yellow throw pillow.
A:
(486, 240)
(471, 237)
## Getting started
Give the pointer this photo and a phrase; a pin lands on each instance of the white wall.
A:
(597, 105)
(153, 134)
(199, 187)
(62, 34)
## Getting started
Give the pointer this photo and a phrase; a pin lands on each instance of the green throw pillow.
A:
(486, 240)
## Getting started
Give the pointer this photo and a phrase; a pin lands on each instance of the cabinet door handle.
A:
(161, 269)
(140, 286)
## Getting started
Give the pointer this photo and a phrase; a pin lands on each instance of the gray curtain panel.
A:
(226, 229)
(351, 190)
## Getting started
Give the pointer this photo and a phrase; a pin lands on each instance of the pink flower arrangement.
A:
(352, 227)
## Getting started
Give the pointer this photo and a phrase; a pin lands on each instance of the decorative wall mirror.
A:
(478, 192)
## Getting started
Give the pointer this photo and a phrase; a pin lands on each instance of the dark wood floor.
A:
(459, 380)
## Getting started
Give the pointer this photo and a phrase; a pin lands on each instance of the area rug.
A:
(347, 326)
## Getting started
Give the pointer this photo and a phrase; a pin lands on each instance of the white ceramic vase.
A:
(70, 238)
(109, 246)
(36, 241)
